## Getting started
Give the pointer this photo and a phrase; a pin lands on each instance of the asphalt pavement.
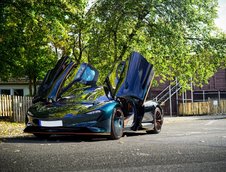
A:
(184, 144)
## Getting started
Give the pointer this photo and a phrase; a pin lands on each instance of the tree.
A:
(178, 37)
(174, 35)
(29, 32)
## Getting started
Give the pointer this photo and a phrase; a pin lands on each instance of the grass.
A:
(11, 129)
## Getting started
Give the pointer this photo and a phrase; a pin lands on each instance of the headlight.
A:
(94, 112)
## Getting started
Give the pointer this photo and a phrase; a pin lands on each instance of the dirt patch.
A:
(11, 129)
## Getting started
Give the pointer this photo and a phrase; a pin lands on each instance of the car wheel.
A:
(158, 121)
(117, 124)
(42, 136)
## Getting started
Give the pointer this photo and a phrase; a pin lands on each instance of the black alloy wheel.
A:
(117, 124)
(158, 121)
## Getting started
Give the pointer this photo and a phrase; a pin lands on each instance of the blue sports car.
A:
(70, 102)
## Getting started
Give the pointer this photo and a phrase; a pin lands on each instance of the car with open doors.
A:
(70, 102)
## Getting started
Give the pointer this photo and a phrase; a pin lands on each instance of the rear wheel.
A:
(117, 124)
(158, 121)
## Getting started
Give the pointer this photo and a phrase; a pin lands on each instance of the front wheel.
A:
(158, 121)
(117, 124)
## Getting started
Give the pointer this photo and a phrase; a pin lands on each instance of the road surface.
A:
(185, 144)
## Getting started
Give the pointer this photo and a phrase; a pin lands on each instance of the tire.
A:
(158, 121)
(117, 124)
(41, 136)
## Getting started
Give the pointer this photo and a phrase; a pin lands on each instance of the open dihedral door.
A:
(50, 78)
(131, 79)
(137, 80)
(64, 76)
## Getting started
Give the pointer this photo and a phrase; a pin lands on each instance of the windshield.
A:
(88, 74)
(78, 79)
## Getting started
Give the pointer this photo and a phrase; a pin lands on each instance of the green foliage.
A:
(178, 37)
(30, 31)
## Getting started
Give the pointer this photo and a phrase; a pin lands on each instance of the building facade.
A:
(18, 87)
(214, 90)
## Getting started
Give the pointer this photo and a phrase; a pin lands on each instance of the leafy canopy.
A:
(178, 36)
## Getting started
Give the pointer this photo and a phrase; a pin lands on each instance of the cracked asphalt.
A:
(185, 144)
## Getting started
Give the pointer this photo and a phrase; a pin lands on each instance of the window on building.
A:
(5, 91)
(18, 92)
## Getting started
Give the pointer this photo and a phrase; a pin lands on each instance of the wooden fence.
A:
(203, 108)
(14, 107)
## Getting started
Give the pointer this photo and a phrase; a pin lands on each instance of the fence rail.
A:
(14, 107)
(203, 108)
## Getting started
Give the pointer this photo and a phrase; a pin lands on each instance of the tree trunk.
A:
(80, 47)
(35, 85)
(56, 51)
(115, 45)
(138, 25)
(30, 86)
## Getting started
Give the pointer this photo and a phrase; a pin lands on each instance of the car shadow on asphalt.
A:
(52, 139)
(61, 139)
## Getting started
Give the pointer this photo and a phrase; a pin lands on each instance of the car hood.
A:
(83, 101)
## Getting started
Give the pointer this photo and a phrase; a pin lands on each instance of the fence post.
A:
(170, 96)
(1, 105)
(14, 107)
